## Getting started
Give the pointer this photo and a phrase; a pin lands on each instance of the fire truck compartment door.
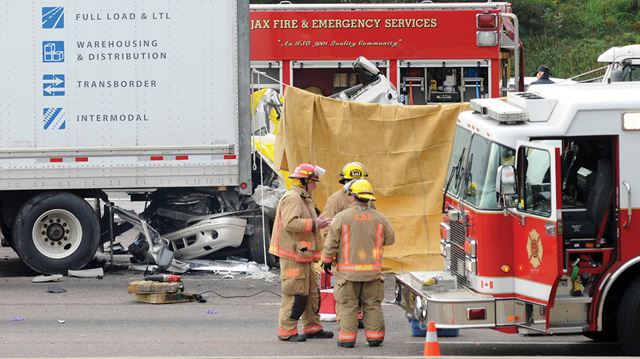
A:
(537, 243)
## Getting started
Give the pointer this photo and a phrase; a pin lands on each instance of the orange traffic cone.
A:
(431, 346)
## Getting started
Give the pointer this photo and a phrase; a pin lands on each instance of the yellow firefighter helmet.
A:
(353, 170)
(362, 190)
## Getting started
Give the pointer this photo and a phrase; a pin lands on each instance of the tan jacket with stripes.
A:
(294, 234)
(338, 202)
(355, 243)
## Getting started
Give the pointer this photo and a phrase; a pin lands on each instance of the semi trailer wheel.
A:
(56, 231)
(256, 247)
(628, 324)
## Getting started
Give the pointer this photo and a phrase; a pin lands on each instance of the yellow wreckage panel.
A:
(405, 149)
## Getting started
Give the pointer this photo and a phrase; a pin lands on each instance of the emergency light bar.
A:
(498, 110)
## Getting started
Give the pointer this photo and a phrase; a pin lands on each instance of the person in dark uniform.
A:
(543, 76)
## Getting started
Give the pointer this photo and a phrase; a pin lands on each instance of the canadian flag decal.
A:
(486, 284)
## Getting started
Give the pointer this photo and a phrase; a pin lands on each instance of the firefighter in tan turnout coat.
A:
(355, 245)
(295, 239)
(339, 200)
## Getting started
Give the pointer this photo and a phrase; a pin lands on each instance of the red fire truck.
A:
(431, 52)
(540, 231)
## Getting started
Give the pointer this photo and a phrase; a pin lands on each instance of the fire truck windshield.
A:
(478, 188)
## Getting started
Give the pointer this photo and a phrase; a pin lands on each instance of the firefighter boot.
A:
(345, 344)
(322, 334)
(374, 342)
(295, 338)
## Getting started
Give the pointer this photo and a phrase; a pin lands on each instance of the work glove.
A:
(323, 222)
(326, 267)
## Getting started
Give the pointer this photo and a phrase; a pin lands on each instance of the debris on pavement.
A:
(87, 273)
(56, 289)
(212, 310)
(47, 278)
(143, 267)
(17, 318)
(262, 272)
(219, 266)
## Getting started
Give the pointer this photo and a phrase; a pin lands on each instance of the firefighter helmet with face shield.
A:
(361, 189)
(351, 171)
(307, 171)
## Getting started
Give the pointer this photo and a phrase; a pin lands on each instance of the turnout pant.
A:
(349, 296)
(300, 299)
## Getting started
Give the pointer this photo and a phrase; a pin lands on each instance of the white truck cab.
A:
(621, 63)
(624, 63)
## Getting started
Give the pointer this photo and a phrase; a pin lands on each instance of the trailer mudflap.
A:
(448, 307)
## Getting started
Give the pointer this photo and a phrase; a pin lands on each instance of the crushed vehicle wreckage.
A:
(181, 230)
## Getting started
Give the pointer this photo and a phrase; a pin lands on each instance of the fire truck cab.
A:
(624, 63)
(431, 52)
(540, 230)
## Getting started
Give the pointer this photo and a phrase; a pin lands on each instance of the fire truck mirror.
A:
(506, 186)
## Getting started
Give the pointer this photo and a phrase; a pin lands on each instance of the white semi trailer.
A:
(145, 97)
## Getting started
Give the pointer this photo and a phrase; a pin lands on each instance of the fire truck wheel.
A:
(56, 231)
(628, 324)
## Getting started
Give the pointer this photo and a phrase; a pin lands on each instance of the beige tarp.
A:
(405, 149)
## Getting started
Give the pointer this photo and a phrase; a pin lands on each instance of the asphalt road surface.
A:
(97, 318)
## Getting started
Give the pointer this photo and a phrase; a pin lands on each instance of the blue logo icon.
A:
(53, 118)
(53, 51)
(53, 85)
(53, 17)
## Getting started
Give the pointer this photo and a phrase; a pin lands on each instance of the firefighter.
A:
(339, 200)
(355, 241)
(295, 239)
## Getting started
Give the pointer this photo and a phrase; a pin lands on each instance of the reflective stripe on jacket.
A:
(294, 234)
(336, 203)
(355, 243)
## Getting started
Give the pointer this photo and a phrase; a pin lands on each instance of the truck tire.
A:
(56, 231)
(256, 247)
(628, 324)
